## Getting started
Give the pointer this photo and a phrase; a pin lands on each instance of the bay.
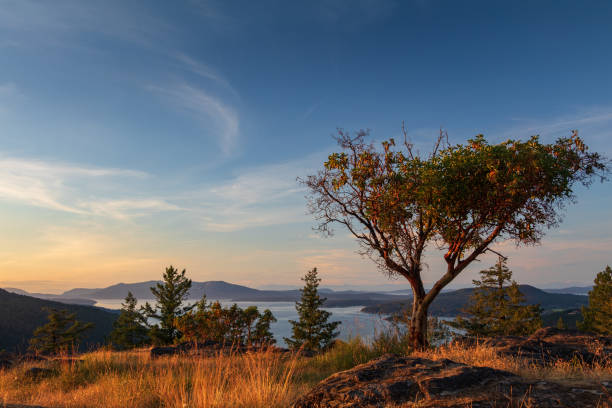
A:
(353, 322)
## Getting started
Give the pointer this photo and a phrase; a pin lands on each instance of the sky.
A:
(139, 134)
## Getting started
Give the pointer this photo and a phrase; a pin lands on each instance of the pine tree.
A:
(130, 329)
(263, 334)
(598, 315)
(312, 331)
(249, 317)
(234, 319)
(170, 295)
(61, 334)
(497, 306)
(561, 324)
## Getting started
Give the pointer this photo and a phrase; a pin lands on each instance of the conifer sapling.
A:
(312, 331)
(130, 329)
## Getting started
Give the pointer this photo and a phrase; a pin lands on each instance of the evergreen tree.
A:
(598, 315)
(130, 329)
(234, 319)
(312, 331)
(561, 324)
(263, 334)
(61, 334)
(249, 318)
(170, 295)
(497, 306)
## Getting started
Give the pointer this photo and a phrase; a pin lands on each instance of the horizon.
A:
(335, 288)
(140, 135)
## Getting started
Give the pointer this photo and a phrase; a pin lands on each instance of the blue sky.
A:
(138, 134)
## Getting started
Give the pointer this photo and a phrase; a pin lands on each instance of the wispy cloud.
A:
(26, 20)
(204, 71)
(259, 196)
(593, 124)
(563, 123)
(72, 189)
(311, 110)
(255, 197)
(128, 208)
(218, 118)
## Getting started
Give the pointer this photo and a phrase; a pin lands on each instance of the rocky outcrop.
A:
(391, 381)
(549, 344)
(36, 373)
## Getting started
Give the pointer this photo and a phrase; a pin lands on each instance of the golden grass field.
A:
(266, 379)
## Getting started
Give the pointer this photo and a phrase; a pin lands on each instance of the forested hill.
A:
(230, 291)
(20, 315)
(142, 290)
(451, 303)
(57, 298)
(446, 304)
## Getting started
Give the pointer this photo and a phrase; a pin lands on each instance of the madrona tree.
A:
(460, 199)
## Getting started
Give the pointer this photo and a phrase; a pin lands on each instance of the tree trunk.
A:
(418, 324)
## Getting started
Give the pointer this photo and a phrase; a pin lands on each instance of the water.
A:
(354, 322)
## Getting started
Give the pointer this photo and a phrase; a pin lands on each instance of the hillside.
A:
(142, 290)
(20, 315)
(574, 290)
(213, 290)
(451, 303)
(448, 303)
(57, 298)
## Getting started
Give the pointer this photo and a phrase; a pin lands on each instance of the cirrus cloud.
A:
(62, 187)
(211, 112)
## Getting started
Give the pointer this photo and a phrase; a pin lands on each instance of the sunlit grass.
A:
(264, 379)
(574, 372)
(122, 379)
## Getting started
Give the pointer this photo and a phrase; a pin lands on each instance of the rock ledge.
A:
(391, 381)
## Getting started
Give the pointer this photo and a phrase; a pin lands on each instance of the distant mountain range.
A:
(213, 290)
(21, 312)
(451, 303)
(20, 315)
(448, 303)
(573, 290)
(58, 298)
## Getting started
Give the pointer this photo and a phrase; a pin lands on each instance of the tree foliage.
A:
(497, 306)
(60, 335)
(21, 315)
(232, 325)
(130, 329)
(312, 331)
(170, 294)
(598, 315)
(460, 199)
(561, 325)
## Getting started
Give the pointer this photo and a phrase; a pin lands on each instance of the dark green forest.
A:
(20, 315)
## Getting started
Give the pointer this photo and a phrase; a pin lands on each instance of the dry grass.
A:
(267, 379)
(132, 379)
(574, 372)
